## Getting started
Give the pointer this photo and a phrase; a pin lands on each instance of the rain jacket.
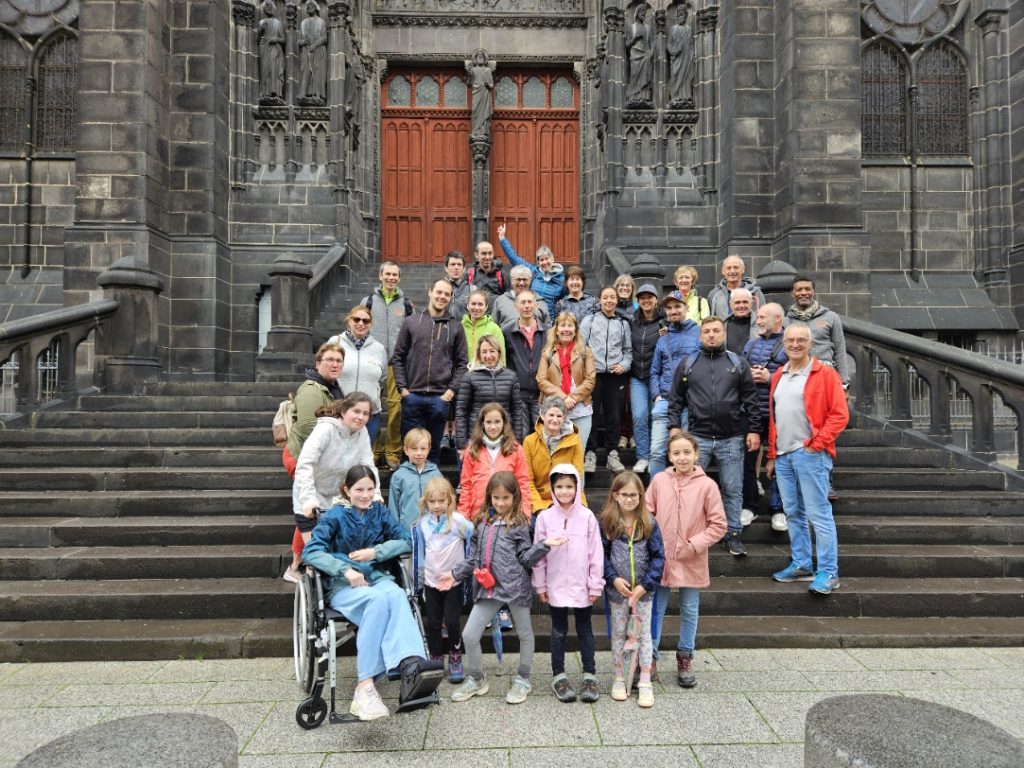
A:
(539, 461)
(512, 555)
(580, 307)
(549, 286)
(681, 341)
(476, 472)
(476, 330)
(328, 453)
(610, 339)
(647, 563)
(406, 488)
(718, 297)
(430, 354)
(365, 369)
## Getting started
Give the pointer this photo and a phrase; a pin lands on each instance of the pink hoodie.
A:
(573, 571)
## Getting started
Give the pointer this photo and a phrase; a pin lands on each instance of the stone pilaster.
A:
(1015, 25)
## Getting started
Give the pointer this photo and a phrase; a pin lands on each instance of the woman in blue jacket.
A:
(548, 276)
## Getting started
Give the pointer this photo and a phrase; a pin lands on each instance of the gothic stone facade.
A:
(877, 145)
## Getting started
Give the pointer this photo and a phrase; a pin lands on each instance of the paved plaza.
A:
(747, 710)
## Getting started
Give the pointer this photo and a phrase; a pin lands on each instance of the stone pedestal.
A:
(126, 344)
(289, 341)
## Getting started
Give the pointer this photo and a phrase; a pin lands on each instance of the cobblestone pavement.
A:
(747, 710)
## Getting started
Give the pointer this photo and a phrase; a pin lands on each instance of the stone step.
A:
(917, 479)
(145, 531)
(212, 388)
(184, 478)
(178, 456)
(227, 402)
(944, 503)
(183, 420)
(114, 436)
(147, 503)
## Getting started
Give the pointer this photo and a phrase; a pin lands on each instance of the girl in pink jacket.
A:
(688, 508)
(492, 448)
(570, 577)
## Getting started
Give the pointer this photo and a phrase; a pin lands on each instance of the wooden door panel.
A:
(402, 194)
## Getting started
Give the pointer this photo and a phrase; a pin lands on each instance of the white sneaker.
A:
(367, 704)
(641, 466)
(747, 516)
(623, 443)
(779, 522)
(614, 464)
(590, 462)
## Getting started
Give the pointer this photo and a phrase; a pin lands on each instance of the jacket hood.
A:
(469, 322)
(475, 366)
(577, 505)
(339, 426)
(556, 269)
(745, 282)
(697, 473)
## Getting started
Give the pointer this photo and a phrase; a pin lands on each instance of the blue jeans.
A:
(728, 453)
(429, 412)
(803, 484)
(373, 427)
(659, 434)
(640, 404)
(689, 608)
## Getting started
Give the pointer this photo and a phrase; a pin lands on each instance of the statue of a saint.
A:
(681, 63)
(270, 41)
(639, 93)
(313, 44)
(481, 81)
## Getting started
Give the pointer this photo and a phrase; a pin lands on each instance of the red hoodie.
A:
(824, 403)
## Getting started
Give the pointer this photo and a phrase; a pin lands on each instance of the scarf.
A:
(357, 343)
(492, 444)
(804, 315)
(565, 363)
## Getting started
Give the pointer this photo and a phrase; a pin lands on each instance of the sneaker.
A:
(747, 516)
(645, 695)
(294, 575)
(590, 462)
(590, 692)
(455, 672)
(684, 670)
(779, 522)
(791, 573)
(469, 689)
(823, 583)
(613, 463)
(623, 443)
(563, 689)
(734, 544)
(505, 620)
(619, 692)
(446, 443)
(367, 704)
(641, 466)
(519, 691)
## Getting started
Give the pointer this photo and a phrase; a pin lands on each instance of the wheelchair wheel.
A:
(303, 635)
(311, 713)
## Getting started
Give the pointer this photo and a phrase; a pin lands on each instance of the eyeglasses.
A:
(333, 360)
(629, 495)
(361, 320)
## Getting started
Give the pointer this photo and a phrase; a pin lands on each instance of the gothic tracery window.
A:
(13, 71)
(885, 93)
(56, 78)
(941, 102)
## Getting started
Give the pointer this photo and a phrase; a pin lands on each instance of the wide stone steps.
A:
(186, 420)
(139, 479)
(143, 456)
(152, 502)
(127, 435)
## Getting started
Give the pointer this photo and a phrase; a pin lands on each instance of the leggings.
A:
(482, 613)
(584, 631)
(443, 608)
(620, 618)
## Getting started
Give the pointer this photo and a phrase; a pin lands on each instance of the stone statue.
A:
(639, 92)
(681, 62)
(270, 41)
(481, 80)
(313, 44)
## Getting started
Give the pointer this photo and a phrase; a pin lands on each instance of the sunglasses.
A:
(361, 320)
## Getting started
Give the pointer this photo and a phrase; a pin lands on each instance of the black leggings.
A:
(609, 403)
(443, 608)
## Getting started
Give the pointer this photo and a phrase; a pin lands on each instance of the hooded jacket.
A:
(580, 307)
(504, 311)
(309, 396)
(573, 572)
(828, 342)
(647, 563)
(344, 529)
(584, 374)
(476, 472)
(430, 354)
(549, 286)
(644, 335)
(610, 339)
(388, 317)
(487, 385)
(366, 367)
(691, 517)
(474, 330)
(718, 298)
(326, 456)
(460, 296)
(681, 341)
(406, 488)
(539, 460)
(720, 393)
(512, 555)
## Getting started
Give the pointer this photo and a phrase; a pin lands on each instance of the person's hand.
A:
(753, 441)
(448, 396)
(593, 598)
(618, 369)
(501, 231)
(543, 596)
(658, 398)
(355, 578)
(760, 374)
(570, 402)
(663, 331)
(674, 431)
(622, 587)
(445, 582)
(309, 510)
(555, 541)
(769, 468)
(636, 595)
(362, 555)
(404, 393)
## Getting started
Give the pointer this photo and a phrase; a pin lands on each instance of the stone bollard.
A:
(883, 731)
(126, 344)
(289, 340)
(171, 740)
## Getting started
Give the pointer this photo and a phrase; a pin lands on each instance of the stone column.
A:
(336, 95)
(243, 16)
(289, 340)
(126, 344)
(1015, 24)
(480, 148)
(706, 97)
(613, 95)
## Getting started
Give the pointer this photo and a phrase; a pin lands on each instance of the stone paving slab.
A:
(748, 708)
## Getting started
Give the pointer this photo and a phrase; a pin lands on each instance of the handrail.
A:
(939, 365)
(331, 272)
(31, 336)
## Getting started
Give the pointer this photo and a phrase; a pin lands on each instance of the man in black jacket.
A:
(718, 388)
(430, 360)
(524, 341)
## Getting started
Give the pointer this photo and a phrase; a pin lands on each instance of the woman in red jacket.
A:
(492, 448)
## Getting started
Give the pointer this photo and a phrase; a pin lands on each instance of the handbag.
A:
(483, 575)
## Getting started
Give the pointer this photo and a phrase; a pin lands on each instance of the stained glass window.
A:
(399, 93)
(506, 93)
(427, 92)
(534, 95)
(562, 94)
(455, 92)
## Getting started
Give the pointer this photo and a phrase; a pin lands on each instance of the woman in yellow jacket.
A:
(567, 370)
(555, 441)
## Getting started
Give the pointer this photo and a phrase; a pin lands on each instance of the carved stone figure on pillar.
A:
(270, 42)
(681, 61)
(313, 44)
(481, 80)
(639, 46)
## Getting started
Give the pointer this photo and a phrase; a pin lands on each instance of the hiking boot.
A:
(684, 670)
(791, 573)
(641, 466)
(619, 692)
(563, 689)
(614, 463)
(469, 689)
(645, 695)
(455, 673)
(519, 691)
(589, 693)
(823, 584)
(367, 704)
(747, 516)
(590, 462)
(734, 544)
(779, 521)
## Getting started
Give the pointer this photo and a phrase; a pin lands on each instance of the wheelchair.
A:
(318, 631)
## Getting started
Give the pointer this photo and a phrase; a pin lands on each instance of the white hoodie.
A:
(327, 455)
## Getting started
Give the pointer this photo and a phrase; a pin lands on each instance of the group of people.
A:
(519, 367)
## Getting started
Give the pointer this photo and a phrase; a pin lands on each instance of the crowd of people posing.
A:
(527, 376)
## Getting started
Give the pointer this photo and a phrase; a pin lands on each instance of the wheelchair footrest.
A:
(413, 704)
(343, 718)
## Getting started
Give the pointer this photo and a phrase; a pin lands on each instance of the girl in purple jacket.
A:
(570, 577)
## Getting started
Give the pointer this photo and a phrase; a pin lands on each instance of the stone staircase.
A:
(157, 526)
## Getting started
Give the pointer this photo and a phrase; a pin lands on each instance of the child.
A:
(499, 564)
(348, 544)
(409, 481)
(570, 578)
(440, 538)
(688, 507)
(634, 559)
(492, 448)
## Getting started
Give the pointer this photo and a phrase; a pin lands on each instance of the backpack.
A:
(692, 359)
(471, 277)
(283, 420)
(368, 303)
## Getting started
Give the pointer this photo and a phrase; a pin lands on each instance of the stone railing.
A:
(332, 272)
(941, 366)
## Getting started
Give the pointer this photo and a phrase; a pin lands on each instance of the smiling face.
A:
(683, 455)
(359, 324)
(803, 293)
(624, 290)
(355, 418)
(485, 255)
(574, 285)
(797, 341)
(566, 330)
(440, 296)
(488, 354)
(361, 493)
(628, 497)
(502, 501)
(553, 419)
(675, 310)
(564, 490)
(609, 301)
(520, 284)
(684, 282)
(545, 261)
(741, 305)
(732, 271)
(494, 424)
(648, 302)
(389, 277)
(476, 306)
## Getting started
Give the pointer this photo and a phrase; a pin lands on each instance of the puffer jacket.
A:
(487, 385)
(310, 395)
(648, 563)
(758, 352)
(539, 461)
(344, 529)
(329, 452)
(549, 286)
(476, 330)
(477, 471)
(720, 394)
(718, 297)
(512, 555)
(584, 374)
(405, 489)
(430, 354)
(610, 339)
(644, 338)
(681, 341)
(580, 307)
(388, 317)
(366, 367)
(690, 514)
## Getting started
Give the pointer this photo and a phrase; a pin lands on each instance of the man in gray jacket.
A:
(504, 309)
(828, 343)
(732, 278)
